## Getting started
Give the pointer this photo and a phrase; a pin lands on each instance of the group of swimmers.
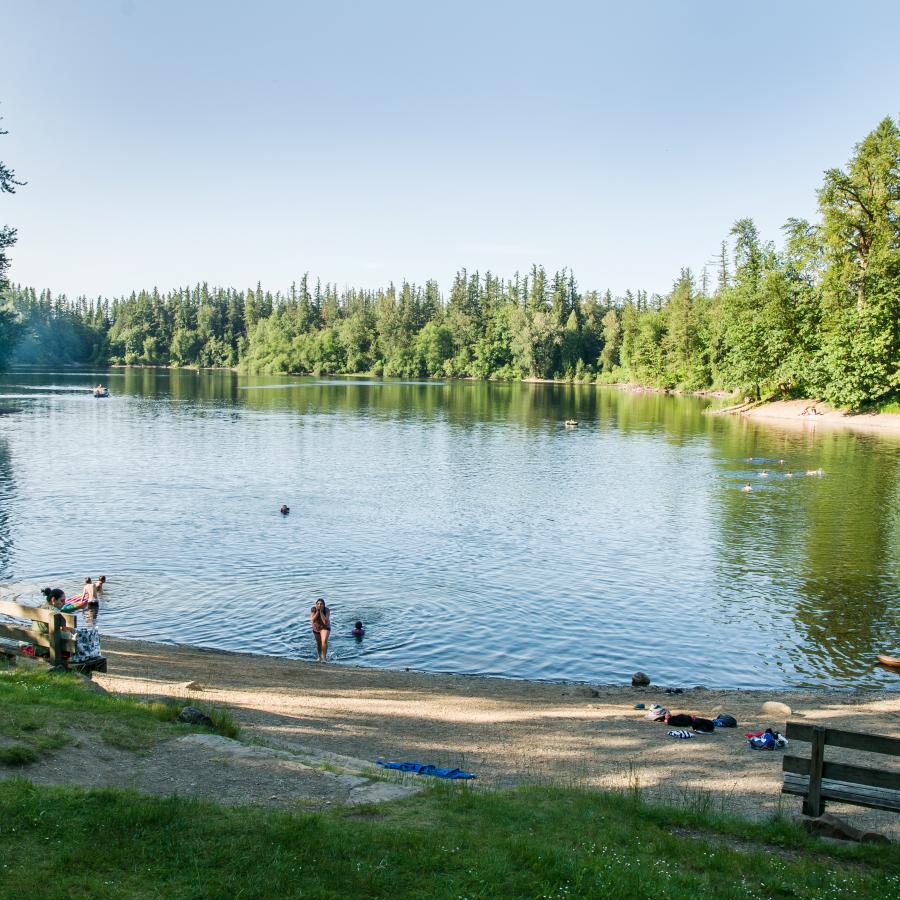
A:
(89, 597)
(320, 619)
(817, 473)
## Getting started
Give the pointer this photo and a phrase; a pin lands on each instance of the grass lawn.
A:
(39, 710)
(449, 842)
(452, 841)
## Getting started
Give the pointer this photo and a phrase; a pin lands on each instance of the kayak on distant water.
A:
(893, 661)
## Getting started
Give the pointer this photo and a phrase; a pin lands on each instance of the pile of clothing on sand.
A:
(688, 725)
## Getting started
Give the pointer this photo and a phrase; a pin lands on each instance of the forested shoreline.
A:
(819, 317)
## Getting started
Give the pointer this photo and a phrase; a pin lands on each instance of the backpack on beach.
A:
(679, 719)
(704, 725)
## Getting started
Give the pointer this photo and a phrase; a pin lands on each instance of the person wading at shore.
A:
(320, 617)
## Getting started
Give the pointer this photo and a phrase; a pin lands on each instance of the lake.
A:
(462, 522)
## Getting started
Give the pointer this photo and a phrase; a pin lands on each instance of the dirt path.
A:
(506, 731)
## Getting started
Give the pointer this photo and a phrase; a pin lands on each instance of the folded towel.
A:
(680, 734)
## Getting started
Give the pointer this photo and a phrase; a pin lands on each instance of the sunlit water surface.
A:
(462, 522)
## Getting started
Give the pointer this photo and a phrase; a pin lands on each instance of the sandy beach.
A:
(791, 412)
(507, 731)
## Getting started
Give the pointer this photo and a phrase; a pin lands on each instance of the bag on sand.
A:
(679, 719)
(704, 725)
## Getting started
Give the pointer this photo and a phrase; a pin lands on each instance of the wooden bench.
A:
(817, 780)
(53, 643)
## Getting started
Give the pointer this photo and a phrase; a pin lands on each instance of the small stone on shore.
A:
(640, 679)
(191, 686)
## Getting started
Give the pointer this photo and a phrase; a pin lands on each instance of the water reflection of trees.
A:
(7, 487)
(466, 404)
(823, 552)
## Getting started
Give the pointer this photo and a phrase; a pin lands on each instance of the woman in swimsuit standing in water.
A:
(320, 618)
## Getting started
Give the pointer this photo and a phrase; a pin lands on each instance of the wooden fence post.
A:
(57, 622)
(813, 805)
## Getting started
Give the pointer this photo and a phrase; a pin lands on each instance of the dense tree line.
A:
(8, 321)
(820, 317)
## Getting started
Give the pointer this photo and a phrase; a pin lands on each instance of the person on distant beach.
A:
(320, 618)
(358, 630)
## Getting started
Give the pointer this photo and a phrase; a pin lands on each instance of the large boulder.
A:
(194, 716)
(775, 708)
(640, 679)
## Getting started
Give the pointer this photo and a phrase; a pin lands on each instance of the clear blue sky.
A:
(170, 142)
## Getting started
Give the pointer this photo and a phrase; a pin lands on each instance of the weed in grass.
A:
(223, 721)
(18, 755)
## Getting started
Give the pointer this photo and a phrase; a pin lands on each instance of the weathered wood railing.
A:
(818, 780)
(54, 639)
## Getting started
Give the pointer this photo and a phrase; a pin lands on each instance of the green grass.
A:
(38, 709)
(449, 842)
(18, 755)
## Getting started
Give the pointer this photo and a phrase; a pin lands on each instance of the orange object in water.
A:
(892, 661)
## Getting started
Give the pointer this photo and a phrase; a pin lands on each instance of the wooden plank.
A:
(35, 613)
(851, 740)
(872, 798)
(813, 805)
(98, 664)
(17, 633)
(877, 778)
(796, 765)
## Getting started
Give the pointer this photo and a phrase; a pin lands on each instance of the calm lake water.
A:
(462, 522)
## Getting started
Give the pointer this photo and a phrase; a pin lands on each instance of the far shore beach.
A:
(506, 731)
(799, 414)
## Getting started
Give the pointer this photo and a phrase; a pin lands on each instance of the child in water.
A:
(93, 605)
(358, 630)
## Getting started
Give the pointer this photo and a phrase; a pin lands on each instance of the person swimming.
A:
(747, 487)
(358, 630)
(98, 584)
(285, 509)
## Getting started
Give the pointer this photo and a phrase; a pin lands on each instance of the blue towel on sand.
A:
(422, 769)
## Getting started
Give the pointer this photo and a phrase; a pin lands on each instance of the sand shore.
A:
(506, 731)
(790, 412)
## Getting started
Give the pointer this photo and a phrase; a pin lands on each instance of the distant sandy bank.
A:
(811, 414)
